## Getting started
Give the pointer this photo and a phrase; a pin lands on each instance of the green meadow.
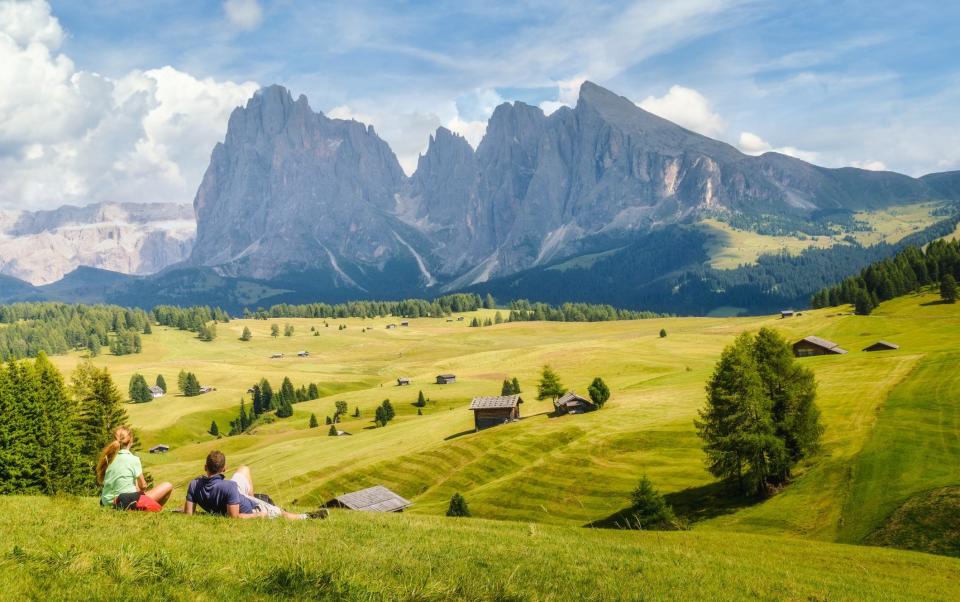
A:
(891, 441)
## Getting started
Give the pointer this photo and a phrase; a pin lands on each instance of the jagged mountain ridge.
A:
(41, 247)
(291, 190)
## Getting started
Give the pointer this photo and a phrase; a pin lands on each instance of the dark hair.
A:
(215, 462)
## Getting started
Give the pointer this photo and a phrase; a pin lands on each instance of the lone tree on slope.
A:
(458, 506)
(550, 386)
(599, 392)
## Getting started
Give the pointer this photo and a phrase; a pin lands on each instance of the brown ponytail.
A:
(122, 437)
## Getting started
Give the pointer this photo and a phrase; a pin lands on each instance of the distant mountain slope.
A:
(43, 246)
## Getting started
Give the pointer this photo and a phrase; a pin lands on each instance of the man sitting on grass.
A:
(233, 497)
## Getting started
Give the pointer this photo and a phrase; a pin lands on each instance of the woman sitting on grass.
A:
(121, 475)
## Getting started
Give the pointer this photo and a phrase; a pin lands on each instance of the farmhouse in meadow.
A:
(276, 356)
(812, 345)
(494, 411)
(156, 392)
(159, 449)
(404, 323)
(403, 381)
(391, 326)
(303, 354)
(787, 313)
(882, 346)
(372, 499)
(446, 379)
(571, 403)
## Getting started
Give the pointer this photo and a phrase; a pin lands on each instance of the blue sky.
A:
(870, 84)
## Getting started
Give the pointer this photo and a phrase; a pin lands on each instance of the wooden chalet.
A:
(372, 499)
(812, 345)
(276, 356)
(494, 411)
(159, 449)
(404, 323)
(303, 354)
(391, 326)
(787, 313)
(882, 346)
(403, 381)
(571, 403)
(156, 392)
(446, 379)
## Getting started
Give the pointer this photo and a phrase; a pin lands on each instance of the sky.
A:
(123, 100)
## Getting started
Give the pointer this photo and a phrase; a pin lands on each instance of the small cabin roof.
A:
(446, 376)
(373, 499)
(493, 402)
(824, 343)
(160, 447)
(884, 345)
(571, 398)
(156, 390)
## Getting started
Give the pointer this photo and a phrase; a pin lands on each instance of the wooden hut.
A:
(156, 392)
(882, 346)
(494, 411)
(372, 499)
(303, 354)
(812, 345)
(571, 403)
(159, 449)
(446, 379)
(404, 323)
(787, 313)
(403, 381)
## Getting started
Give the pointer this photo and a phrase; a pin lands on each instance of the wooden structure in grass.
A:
(882, 346)
(494, 411)
(373, 499)
(571, 403)
(812, 345)
(446, 379)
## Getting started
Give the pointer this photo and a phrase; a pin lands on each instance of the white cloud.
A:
(753, 144)
(243, 14)
(686, 107)
(71, 136)
(869, 165)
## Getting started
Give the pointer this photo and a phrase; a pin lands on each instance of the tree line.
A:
(264, 400)
(525, 311)
(905, 272)
(51, 433)
(58, 328)
(408, 308)
(200, 319)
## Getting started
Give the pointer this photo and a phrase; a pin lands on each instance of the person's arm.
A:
(188, 508)
(141, 483)
(233, 511)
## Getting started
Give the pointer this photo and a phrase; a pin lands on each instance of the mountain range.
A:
(297, 205)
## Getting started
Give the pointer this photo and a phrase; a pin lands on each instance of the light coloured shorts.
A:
(246, 490)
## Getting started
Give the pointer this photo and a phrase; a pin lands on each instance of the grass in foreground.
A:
(59, 548)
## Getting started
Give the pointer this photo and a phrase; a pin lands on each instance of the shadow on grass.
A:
(691, 506)
(460, 434)
(937, 302)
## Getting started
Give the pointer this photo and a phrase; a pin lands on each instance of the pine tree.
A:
(267, 397)
(489, 302)
(274, 330)
(147, 328)
(65, 470)
(247, 335)
(192, 386)
(182, 382)
(516, 386)
(507, 387)
(356, 412)
(650, 510)
(256, 400)
(329, 421)
(93, 345)
(214, 429)
(419, 411)
(313, 392)
(333, 431)
(287, 393)
(599, 392)
(550, 386)
(162, 383)
(388, 410)
(244, 419)
(498, 318)
(948, 288)
(313, 421)
(458, 506)
(284, 409)
(100, 411)
(380, 417)
(862, 302)
(23, 462)
(288, 330)
(663, 333)
(139, 390)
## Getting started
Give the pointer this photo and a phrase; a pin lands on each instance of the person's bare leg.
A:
(292, 516)
(160, 494)
(245, 471)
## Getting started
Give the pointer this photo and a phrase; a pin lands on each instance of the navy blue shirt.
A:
(215, 493)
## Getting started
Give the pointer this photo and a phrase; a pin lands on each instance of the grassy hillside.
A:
(59, 548)
(572, 470)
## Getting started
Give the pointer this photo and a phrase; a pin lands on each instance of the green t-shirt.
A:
(120, 477)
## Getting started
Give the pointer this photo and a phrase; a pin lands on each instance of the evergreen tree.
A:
(507, 387)
(139, 390)
(599, 392)
(162, 383)
(287, 393)
(516, 386)
(948, 288)
(498, 318)
(313, 421)
(93, 345)
(421, 400)
(458, 506)
(388, 410)
(245, 420)
(182, 382)
(192, 386)
(550, 386)
(663, 333)
(333, 431)
(341, 407)
(214, 429)
(23, 425)
(650, 510)
(208, 332)
(267, 400)
(419, 411)
(737, 424)
(147, 329)
(862, 302)
(380, 417)
(100, 411)
(274, 330)
(288, 330)
(329, 421)
(313, 392)
(247, 335)
(356, 412)
(284, 408)
(489, 302)
(65, 468)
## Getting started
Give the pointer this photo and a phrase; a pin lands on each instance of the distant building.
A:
(343, 434)
(446, 379)
(494, 411)
(812, 345)
(571, 403)
(787, 313)
(391, 326)
(882, 346)
(403, 381)
(404, 323)
(303, 354)
(276, 356)
(460, 319)
(156, 392)
(207, 390)
(372, 499)
(159, 449)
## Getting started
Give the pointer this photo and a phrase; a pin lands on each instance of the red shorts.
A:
(136, 501)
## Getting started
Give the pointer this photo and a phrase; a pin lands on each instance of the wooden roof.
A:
(372, 499)
(446, 376)
(824, 343)
(499, 401)
(571, 398)
(884, 345)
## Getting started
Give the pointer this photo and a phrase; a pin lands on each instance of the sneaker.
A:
(320, 513)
